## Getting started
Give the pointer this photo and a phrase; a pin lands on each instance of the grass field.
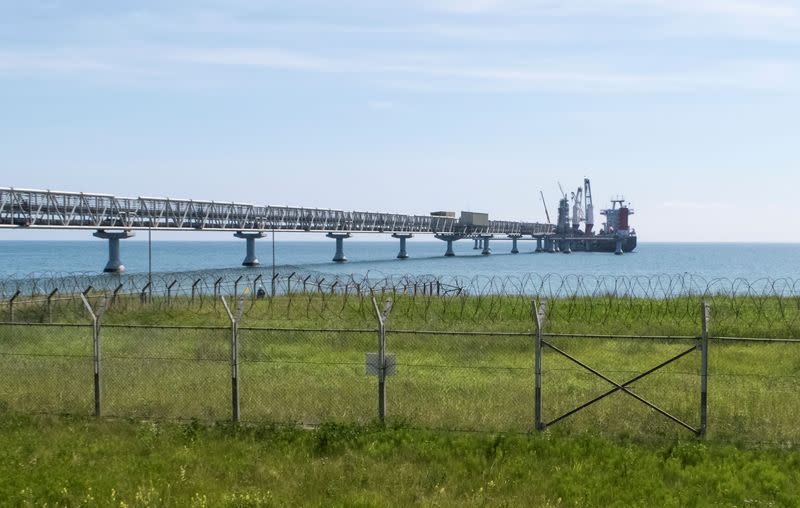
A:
(463, 364)
(58, 461)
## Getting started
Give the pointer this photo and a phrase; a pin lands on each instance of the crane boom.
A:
(546, 213)
(577, 213)
(589, 208)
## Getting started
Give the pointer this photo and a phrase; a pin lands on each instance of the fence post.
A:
(116, 291)
(169, 291)
(235, 408)
(217, 290)
(146, 293)
(96, 315)
(194, 287)
(11, 306)
(255, 285)
(50, 305)
(704, 316)
(538, 320)
(382, 317)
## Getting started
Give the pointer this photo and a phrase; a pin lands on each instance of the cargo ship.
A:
(615, 235)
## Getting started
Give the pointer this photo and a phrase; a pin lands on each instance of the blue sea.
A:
(19, 259)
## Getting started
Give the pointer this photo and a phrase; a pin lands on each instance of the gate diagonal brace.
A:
(623, 387)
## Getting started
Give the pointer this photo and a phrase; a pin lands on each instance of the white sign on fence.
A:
(374, 364)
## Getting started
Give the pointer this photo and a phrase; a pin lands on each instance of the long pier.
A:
(116, 218)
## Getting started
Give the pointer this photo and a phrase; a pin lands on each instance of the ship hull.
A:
(600, 244)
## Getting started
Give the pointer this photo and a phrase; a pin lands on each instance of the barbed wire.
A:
(288, 278)
(666, 304)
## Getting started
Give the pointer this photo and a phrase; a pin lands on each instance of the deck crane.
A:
(546, 213)
(589, 207)
(577, 212)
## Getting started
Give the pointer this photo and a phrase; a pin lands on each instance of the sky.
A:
(688, 108)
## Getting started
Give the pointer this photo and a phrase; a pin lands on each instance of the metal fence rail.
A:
(646, 386)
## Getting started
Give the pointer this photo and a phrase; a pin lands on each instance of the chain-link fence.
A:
(308, 376)
(461, 380)
(107, 355)
(46, 368)
(165, 372)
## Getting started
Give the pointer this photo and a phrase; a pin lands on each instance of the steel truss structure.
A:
(27, 208)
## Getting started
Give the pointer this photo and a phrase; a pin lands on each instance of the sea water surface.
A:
(19, 259)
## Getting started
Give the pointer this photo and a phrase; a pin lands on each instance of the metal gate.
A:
(700, 345)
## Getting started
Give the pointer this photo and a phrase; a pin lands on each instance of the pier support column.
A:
(566, 247)
(477, 244)
(403, 237)
(449, 238)
(514, 239)
(486, 250)
(250, 259)
(339, 237)
(618, 249)
(114, 264)
(550, 244)
(449, 252)
(539, 244)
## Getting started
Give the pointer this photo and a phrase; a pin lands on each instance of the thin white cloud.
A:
(479, 20)
(756, 75)
(432, 71)
(747, 19)
(254, 57)
(50, 61)
(768, 9)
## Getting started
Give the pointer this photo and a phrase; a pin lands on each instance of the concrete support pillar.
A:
(550, 244)
(449, 238)
(403, 237)
(514, 239)
(250, 259)
(539, 244)
(477, 244)
(566, 247)
(114, 264)
(339, 237)
(618, 249)
(486, 250)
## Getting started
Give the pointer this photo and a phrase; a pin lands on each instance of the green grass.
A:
(462, 382)
(56, 461)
